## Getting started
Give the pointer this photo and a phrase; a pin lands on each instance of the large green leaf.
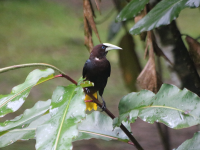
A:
(162, 14)
(22, 133)
(98, 125)
(68, 109)
(174, 107)
(193, 3)
(13, 101)
(131, 10)
(29, 115)
(191, 144)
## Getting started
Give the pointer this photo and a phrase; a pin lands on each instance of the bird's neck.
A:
(97, 56)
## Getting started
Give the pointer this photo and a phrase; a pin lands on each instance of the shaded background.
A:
(51, 31)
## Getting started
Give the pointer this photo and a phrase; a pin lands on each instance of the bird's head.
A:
(100, 51)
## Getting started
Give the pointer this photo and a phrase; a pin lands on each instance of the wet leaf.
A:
(88, 14)
(193, 3)
(168, 106)
(194, 49)
(67, 110)
(13, 101)
(129, 62)
(22, 133)
(131, 10)
(162, 14)
(27, 117)
(191, 144)
(98, 125)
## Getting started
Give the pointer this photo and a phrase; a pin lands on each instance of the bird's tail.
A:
(90, 105)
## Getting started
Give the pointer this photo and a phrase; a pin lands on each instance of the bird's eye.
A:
(103, 47)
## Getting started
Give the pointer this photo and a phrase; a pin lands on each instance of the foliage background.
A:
(52, 32)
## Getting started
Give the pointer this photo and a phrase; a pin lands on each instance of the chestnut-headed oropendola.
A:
(97, 70)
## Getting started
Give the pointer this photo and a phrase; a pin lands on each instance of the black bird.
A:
(97, 70)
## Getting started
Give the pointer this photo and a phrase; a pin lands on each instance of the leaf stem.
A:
(29, 65)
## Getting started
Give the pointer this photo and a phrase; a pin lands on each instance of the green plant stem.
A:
(137, 145)
(30, 65)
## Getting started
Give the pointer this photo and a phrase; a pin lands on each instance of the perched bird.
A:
(97, 70)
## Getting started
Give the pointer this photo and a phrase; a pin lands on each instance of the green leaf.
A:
(28, 116)
(174, 107)
(98, 125)
(131, 10)
(162, 14)
(68, 109)
(86, 84)
(13, 101)
(191, 144)
(193, 3)
(22, 133)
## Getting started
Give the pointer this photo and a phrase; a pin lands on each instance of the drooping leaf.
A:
(88, 35)
(22, 133)
(162, 14)
(13, 101)
(129, 61)
(68, 109)
(149, 78)
(88, 14)
(194, 49)
(131, 10)
(191, 144)
(27, 117)
(99, 126)
(193, 3)
(174, 107)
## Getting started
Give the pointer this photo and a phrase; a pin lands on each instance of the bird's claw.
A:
(87, 90)
(103, 106)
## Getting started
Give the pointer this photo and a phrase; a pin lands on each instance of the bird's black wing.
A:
(109, 68)
(85, 68)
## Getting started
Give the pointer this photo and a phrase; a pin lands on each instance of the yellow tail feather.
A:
(90, 105)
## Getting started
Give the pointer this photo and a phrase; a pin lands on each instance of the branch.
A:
(137, 145)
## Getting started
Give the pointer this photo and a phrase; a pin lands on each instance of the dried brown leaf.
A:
(97, 5)
(151, 40)
(88, 35)
(149, 78)
(129, 61)
(194, 49)
(88, 13)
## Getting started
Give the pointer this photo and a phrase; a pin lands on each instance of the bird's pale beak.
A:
(111, 46)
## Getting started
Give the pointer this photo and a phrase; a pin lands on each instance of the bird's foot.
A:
(103, 106)
(87, 90)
